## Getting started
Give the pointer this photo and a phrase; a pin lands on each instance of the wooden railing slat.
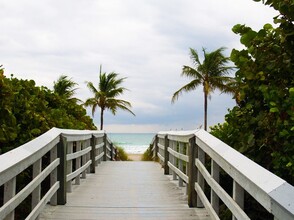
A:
(178, 172)
(10, 205)
(37, 210)
(77, 172)
(98, 146)
(59, 143)
(178, 155)
(222, 194)
(77, 154)
(99, 156)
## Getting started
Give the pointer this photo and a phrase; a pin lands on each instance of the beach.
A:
(135, 157)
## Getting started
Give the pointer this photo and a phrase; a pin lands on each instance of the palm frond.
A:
(191, 73)
(186, 88)
(105, 95)
(65, 87)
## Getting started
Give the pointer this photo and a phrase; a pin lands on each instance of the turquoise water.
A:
(134, 143)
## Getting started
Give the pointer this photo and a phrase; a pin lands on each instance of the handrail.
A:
(72, 154)
(183, 153)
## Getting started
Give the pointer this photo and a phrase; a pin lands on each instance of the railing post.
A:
(93, 154)
(53, 175)
(172, 159)
(61, 173)
(105, 147)
(213, 196)
(180, 162)
(238, 196)
(69, 166)
(84, 159)
(200, 178)
(192, 196)
(166, 155)
(111, 151)
(78, 163)
(88, 155)
(9, 192)
(155, 148)
(36, 194)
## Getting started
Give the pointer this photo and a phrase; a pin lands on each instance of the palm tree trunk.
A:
(101, 119)
(205, 110)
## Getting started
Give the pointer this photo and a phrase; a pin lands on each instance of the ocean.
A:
(133, 143)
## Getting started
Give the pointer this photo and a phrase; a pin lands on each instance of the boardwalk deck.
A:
(126, 190)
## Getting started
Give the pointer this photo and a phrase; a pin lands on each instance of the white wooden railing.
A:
(183, 154)
(72, 154)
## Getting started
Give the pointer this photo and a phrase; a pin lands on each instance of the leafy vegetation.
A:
(261, 125)
(211, 74)
(65, 88)
(27, 111)
(147, 155)
(105, 95)
(122, 154)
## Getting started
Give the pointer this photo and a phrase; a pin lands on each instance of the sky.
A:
(146, 41)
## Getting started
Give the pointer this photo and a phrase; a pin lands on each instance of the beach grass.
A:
(122, 154)
(147, 155)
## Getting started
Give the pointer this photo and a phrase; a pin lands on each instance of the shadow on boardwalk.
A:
(125, 190)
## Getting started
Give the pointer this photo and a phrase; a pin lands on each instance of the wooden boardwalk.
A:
(126, 190)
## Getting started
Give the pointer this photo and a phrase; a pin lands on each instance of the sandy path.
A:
(135, 157)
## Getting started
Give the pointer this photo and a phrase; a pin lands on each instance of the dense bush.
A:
(261, 126)
(28, 111)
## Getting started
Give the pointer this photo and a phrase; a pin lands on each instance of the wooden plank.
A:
(238, 195)
(27, 190)
(126, 190)
(53, 175)
(258, 183)
(36, 194)
(206, 202)
(77, 172)
(99, 145)
(160, 146)
(222, 194)
(9, 192)
(80, 153)
(179, 172)
(178, 155)
(183, 139)
(99, 135)
(160, 157)
(40, 206)
(191, 172)
(213, 196)
(99, 156)
(161, 136)
(69, 167)
(77, 136)
(26, 155)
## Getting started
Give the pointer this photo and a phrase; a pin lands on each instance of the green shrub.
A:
(121, 154)
(147, 155)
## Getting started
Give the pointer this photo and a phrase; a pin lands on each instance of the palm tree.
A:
(65, 87)
(105, 95)
(211, 74)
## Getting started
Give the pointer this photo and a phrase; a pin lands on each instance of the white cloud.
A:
(144, 40)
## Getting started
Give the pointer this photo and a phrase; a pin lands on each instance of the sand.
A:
(135, 157)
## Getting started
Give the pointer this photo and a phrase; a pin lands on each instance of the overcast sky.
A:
(147, 41)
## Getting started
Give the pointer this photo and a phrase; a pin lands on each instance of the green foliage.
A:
(211, 74)
(27, 111)
(147, 155)
(106, 95)
(65, 88)
(121, 154)
(261, 125)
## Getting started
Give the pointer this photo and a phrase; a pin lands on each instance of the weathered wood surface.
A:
(126, 190)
